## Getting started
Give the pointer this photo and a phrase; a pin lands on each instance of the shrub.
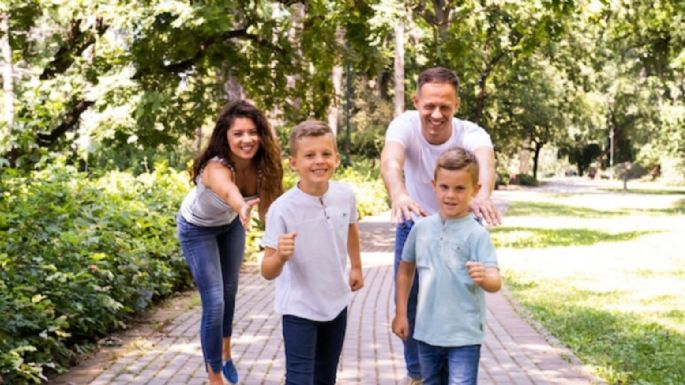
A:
(79, 257)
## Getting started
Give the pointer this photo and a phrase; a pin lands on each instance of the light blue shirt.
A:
(451, 308)
(314, 283)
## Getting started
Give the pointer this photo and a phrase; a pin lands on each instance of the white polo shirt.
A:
(421, 156)
(314, 283)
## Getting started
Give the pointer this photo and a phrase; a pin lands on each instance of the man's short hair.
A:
(438, 75)
(458, 158)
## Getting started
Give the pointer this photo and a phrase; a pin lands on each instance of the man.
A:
(413, 143)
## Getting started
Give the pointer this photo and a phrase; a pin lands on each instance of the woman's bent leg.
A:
(202, 254)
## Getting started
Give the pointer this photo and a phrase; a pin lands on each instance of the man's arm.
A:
(392, 162)
(482, 205)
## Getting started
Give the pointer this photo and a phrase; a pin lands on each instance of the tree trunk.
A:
(334, 107)
(7, 80)
(536, 158)
(399, 69)
(524, 157)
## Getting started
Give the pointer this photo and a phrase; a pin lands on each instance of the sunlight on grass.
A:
(624, 347)
(557, 210)
(614, 298)
(650, 191)
(678, 208)
(520, 237)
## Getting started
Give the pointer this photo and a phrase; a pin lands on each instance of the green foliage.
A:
(524, 180)
(364, 176)
(520, 237)
(78, 257)
(581, 154)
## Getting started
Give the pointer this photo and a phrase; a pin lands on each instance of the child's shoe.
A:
(229, 371)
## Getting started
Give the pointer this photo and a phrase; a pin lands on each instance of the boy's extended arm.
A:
(354, 252)
(405, 278)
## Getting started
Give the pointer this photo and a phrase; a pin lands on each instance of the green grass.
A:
(521, 237)
(547, 209)
(621, 347)
(678, 208)
(557, 210)
(622, 313)
(649, 191)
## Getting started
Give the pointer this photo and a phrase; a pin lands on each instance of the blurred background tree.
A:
(119, 84)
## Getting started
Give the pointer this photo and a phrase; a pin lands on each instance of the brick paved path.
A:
(165, 348)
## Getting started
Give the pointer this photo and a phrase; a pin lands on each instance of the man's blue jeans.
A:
(312, 349)
(411, 352)
(214, 256)
(449, 365)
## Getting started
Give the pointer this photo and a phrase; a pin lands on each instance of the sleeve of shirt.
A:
(486, 250)
(475, 136)
(399, 129)
(409, 250)
(274, 227)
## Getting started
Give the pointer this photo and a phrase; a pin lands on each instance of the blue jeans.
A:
(449, 365)
(411, 350)
(214, 256)
(312, 349)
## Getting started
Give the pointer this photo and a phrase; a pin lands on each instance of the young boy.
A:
(311, 231)
(456, 262)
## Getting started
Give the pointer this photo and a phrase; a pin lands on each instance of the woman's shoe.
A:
(229, 371)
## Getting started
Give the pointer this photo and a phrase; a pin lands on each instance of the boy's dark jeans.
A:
(449, 365)
(312, 349)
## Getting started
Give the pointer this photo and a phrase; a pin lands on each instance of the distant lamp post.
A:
(611, 137)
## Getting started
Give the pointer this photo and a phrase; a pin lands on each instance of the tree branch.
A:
(76, 42)
(186, 64)
(70, 119)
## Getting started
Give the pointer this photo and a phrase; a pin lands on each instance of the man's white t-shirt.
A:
(421, 156)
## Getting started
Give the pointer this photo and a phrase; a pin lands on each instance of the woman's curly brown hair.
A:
(268, 157)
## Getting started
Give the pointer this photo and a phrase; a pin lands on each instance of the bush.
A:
(524, 180)
(78, 258)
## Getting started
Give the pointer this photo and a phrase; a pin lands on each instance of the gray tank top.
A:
(202, 207)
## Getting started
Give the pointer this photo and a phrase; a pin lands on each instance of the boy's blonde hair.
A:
(458, 158)
(310, 128)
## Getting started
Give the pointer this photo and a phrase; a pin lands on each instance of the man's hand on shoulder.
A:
(402, 207)
(482, 207)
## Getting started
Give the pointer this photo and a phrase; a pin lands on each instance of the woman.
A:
(240, 168)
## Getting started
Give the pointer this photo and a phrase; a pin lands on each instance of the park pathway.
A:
(164, 348)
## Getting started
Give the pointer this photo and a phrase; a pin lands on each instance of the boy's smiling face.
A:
(454, 189)
(315, 160)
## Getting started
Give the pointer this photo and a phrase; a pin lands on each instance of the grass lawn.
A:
(615, 298)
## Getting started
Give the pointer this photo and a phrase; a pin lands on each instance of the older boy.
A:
(456, 262)
(311, 231)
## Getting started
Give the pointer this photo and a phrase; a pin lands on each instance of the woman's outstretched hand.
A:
(246, 211)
